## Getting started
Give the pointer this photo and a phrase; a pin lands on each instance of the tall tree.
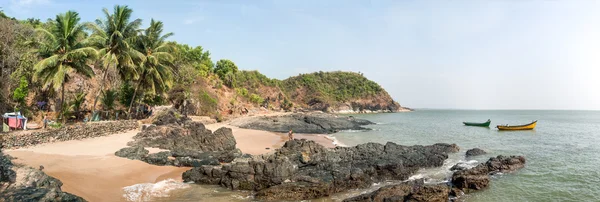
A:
(226, 70)
(63, 53)
(114, 36)
(190, 62)
(156, 66)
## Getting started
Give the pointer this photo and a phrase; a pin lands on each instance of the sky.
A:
(451, 54)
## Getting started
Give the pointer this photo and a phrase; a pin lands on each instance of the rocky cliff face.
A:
(303, 169)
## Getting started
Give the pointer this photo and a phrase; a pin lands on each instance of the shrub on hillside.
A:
(256, 99)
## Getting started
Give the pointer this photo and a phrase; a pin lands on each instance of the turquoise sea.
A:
(563, 152)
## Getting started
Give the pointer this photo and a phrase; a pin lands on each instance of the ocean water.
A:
(563, 153)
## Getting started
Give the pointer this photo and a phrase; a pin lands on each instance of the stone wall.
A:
(71, 132)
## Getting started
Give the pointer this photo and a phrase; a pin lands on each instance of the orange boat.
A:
(519, 127)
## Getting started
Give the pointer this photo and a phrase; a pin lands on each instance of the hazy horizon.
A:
(496, 54)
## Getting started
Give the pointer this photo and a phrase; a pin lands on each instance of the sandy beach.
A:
(89, 168)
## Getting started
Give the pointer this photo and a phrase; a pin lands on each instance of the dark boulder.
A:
(190, 136)
(169, 117)
(477, 178)
(303, 169)
(219, 156)
(189, 144)
(38, 194)
(6, 173)
(407, 191)
(134, 153)
(459, 166)
(475, 152)
(161, 158)
(30, 185)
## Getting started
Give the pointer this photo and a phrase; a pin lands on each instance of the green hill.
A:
(337, 91)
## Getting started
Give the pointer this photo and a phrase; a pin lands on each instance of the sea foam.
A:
(335, 141)
(148, 191)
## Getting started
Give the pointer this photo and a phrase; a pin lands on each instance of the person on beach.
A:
(45, 121)
(291, 134)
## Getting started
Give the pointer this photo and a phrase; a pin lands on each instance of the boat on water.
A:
(484, 124)
(529, 126)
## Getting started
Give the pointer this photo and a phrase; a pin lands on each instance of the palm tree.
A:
(63, 53)
(156, 67)
(114, 37)
(108, 99)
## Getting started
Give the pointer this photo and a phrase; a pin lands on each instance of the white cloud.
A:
(25, 5)
(192, 20)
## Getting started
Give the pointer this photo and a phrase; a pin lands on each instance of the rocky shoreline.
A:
(303, 169)
(462, 181)
(313, 123)
(300, 170)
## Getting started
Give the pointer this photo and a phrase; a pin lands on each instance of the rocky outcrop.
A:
(477, 178)
(465, 180)
(321, 123)
(74, 132)
(181, 158)
(19, 183)
(168, 116)
(134, 153)
(189, 136)
(475, 152)
(188, 143)
(415, 191)
(303, 169)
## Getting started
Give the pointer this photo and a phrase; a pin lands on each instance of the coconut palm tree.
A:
(63, 53)
(156, 67)
(114, 37)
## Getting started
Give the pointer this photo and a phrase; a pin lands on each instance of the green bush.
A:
(256, 99)
(109, 97)
(126, 93)
(21, 92)
(253, 80)
(208, 104)
(243, 92)
(286, 105)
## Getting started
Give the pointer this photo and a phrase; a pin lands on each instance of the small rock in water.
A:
(475, 152)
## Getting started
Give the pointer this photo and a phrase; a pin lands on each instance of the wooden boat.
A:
(519, 127)
(485, 124)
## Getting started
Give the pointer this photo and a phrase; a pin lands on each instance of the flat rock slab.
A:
(314, 123)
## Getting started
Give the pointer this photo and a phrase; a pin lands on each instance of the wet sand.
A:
(89, 168)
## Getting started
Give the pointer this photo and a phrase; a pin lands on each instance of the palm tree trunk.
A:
(62, 103)
(133, 97)
(100, 90)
